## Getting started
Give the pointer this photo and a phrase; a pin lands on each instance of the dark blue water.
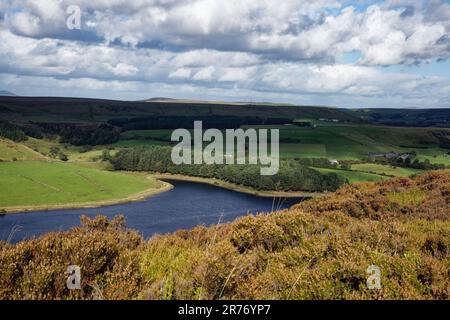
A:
(187, 205)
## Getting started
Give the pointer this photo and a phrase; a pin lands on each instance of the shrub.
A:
(104, 250)
(63, 157)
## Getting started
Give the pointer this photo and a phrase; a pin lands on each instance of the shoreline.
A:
(237, 188)
(163, 187)
(143, 195)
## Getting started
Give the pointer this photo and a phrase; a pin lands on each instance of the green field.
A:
(303, 150)
(29, 183)
(339, 141)
(41, 145)
(329, 140)
(371, 172)
(384, 169)
(353, 176)
(10, 151)
(434, 155)
(74, 153)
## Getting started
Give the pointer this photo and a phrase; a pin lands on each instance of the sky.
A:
(351, 54)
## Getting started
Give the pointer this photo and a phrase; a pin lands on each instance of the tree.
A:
(54, 152)
(12, 132)
(346, 166)
(292, 176)
(106, 156)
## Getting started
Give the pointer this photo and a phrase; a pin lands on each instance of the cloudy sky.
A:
(392, 53)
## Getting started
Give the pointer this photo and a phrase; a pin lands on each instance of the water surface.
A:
(187, 205)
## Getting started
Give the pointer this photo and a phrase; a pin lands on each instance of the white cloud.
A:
(182, 73)
(123, 69)
(277, 50)
(205, 74)
(297, 30)
(387, 38)
(238, 74)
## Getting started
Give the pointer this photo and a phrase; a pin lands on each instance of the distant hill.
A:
(239, 103)
(159, 99)
(172, 100)
(405, 117)
(55, 109)
(6, 93)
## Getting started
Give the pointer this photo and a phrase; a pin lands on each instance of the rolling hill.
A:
(10, 151)
(405, 117)
(4, 93)
(54, 109)
(45, 184)
(49, 109)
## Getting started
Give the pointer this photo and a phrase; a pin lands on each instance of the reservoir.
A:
(187, 205)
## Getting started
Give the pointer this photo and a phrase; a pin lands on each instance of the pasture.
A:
(28, 183)
(385, 169)
(329, 140)
(353, 176)
(10, 151)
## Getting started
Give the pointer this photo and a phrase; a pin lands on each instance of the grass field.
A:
(340, 141)
(384, 169)
(434, 155)
(329, 140)
(90, 159)
(10, 150)
(29, 183)
(303, 150)
(343, 141)
(353, 176)
(74, 153)
(40, 145)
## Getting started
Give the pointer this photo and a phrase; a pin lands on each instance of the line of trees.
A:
(79, 136)
(187, 122)
(33, 131)
(292, 175)
(409, 163)
(12, 132)
(424, 165)
(82, 135)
